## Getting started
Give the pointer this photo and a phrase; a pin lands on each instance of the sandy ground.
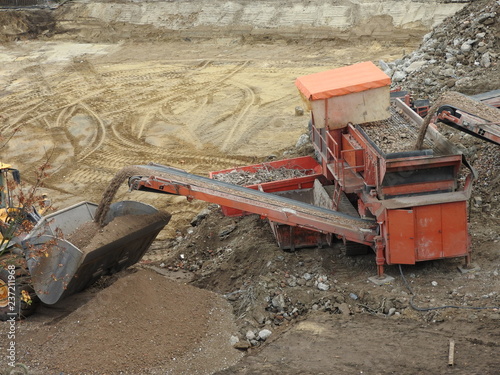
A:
(92, 108)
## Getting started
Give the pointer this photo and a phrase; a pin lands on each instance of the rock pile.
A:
(460, 54)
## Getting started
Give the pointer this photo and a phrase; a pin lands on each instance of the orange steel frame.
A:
(405, 222)
(422, 220)
(479, 127)
(273, 212)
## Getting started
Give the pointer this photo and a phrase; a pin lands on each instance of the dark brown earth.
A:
(189, 324)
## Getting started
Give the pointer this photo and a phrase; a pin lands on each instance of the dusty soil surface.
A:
(93, 108)
(92, 96)
(354, 326)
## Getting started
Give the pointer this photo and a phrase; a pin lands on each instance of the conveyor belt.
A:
(159, 178)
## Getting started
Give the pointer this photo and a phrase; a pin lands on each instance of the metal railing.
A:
(329, 148)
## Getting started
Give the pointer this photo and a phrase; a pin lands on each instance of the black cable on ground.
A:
(413, 295)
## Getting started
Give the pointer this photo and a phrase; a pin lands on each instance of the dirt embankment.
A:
(28, 24)
(345, 21)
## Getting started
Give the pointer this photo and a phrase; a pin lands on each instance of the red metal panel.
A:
(307, 164)
(418, 187)
(441, 230)
(428, 229)
(414, 162)
(370, 157)
(400, 246)
(455, 229)
(352, 153)
(290, 237)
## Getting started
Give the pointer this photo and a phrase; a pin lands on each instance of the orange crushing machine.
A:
(367, 184)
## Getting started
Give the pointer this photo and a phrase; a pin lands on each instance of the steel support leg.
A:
(379, 253)
(381, 277)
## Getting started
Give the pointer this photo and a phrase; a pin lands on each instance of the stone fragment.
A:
(323, 286)
(398, 76)
(487, 18)
(344, 309)
(415, 66)
(227, 230)
(234, 340)
(250, 335)
(485, 60)
(200, 217)
(450, 83)
(242, 345)
(278, 301)
(303, 140)
(264, 334)
(478, 201)
(466, 47)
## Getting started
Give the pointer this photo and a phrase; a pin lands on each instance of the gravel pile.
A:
(461, 54)
(262, 175)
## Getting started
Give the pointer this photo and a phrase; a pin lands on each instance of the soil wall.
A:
(261, 16)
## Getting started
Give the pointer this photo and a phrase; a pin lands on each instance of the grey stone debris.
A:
(303, 140)
(199, 218)
(278, 301)
(299, 111)
(454, 56)
(323, 286)
(264, 334)
(233, 340)
(250, 335)
(307, 276)
(486, 60)
(398, 76)
(466, 47)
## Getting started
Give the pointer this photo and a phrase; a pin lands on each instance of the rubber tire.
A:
(23, 309)
(354, 248)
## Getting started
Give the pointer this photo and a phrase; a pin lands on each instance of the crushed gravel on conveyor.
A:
(262, 175)
(253, 197)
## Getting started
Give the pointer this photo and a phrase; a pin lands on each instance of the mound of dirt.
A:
(143, 323)
(19, 25)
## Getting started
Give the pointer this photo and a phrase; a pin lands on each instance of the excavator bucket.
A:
(67, 251)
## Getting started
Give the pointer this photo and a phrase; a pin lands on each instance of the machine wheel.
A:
(354, 248)
(16, 306)
(449, 109)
